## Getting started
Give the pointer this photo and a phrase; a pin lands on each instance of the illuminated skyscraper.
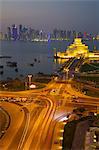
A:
(14, 32)
(74, 34)
(68, 34)
(1, 36)
(20, 32)
(20, 28)
(9, 33)
(80, 35)
(41, 34)
(49, 44)
(25, 33)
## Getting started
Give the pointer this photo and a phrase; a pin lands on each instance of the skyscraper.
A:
(9, 33)
(20, 31)
(14, 32)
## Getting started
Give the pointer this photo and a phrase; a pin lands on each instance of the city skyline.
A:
(47, 15)
(49, 74)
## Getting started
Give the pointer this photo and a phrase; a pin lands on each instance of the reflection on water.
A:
(32, 57)
(60, 61)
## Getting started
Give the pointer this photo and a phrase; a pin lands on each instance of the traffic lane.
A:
(54, 132)
(15, 142)
(5, 121)
(27, 93)
(45, 140)
(16, 121)
(36, 129)
(34, 116)
(43, 128)
(24, 133)
(72, 91)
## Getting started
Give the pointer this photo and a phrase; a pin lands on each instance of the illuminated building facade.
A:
(14, 32)
(9, 33)
(77, 49)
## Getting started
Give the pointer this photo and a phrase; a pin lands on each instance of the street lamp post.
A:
(67, 71)
(25, 85)
(30, 79)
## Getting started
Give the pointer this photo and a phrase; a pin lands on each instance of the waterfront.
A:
(47, 103)
(47, 110)
(32, 57)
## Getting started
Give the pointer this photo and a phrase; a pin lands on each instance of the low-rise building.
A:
(77, 49)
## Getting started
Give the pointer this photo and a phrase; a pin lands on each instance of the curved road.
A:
(37, 120)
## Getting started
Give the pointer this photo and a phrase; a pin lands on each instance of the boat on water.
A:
(1, 66)
(1, 72)
(31, 64)
(11, 64)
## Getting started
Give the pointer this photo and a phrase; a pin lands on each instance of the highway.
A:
(37, 115)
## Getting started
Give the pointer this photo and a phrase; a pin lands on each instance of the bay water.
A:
(33, 57)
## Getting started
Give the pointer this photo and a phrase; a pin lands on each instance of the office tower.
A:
(49, 37)
(25, 33)
(30, 33)
(55, 33)
(5, 36)
(37, 33)
(74, 34)
(20, 28)
(20, 31)
(14, 32)
(1, 36)
(80, 35)
(61, 34)
(68, 34)
(41, 34)
(64, 33)
(9, 33)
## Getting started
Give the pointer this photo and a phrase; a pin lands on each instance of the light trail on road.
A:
(27, 115)
(42, 125)
(38, 127)
(16, 122)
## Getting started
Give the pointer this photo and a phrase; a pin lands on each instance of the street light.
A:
(32, 86)
(76, 69)
(67, 70)
(30, 79)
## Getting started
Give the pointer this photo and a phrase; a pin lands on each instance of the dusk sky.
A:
(81, 15)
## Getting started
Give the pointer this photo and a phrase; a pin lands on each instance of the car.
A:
(56, 142)
(74, 101)
(3, 131)
(74, 97)
(53, 90)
